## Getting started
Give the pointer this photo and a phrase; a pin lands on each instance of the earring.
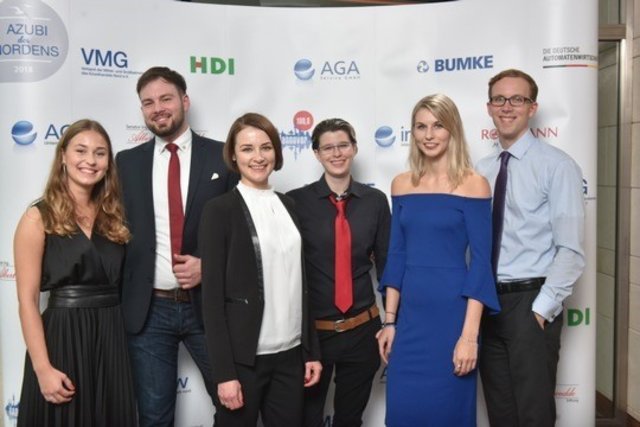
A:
(64, 168)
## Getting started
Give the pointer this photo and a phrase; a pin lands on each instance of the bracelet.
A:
(390, 312)
(385, 324)
(467, 340)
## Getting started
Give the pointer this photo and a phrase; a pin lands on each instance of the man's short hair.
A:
(512, 72)
(332, 125)
(164, 73)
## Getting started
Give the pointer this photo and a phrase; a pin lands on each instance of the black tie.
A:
(499, 193)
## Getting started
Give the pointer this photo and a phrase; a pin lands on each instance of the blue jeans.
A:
(154, 359)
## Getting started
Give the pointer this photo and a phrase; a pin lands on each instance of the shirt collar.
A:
(521, 146)
(183, 141)
(323, 190)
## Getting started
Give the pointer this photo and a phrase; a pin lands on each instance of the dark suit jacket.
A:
(233, 288)
(135, 167)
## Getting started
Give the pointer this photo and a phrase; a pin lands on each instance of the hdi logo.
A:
(213, 65)
(577, 317)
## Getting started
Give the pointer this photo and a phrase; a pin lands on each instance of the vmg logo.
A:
(213, 65)
(106, 58)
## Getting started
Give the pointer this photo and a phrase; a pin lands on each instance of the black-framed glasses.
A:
(515, 100)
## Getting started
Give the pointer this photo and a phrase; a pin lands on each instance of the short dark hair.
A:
(164, 73)
(332, 125)
(512, 72)
(257, 121)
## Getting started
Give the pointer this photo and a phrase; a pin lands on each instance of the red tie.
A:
(344, 291)
(176, 215)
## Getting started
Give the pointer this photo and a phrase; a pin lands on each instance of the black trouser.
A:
(354, 356)
(518, 363)
(273, 388)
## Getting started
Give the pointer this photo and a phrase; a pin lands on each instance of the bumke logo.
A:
(330, 70)
(298, 138)
(23, 133)
(440, 65)
(423, 66)
(33, 41)
(213, 65)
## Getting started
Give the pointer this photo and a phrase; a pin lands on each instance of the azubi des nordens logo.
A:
(33, 41)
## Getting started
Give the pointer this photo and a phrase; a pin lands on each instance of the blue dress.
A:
(429, 264)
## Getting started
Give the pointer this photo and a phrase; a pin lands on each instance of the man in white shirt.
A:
(166, 182)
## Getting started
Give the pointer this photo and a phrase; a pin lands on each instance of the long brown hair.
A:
(58, 207)
(445, 110)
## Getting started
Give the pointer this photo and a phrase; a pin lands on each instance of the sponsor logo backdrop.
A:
(62, 60)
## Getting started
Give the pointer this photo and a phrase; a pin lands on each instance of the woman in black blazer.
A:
(261, 342)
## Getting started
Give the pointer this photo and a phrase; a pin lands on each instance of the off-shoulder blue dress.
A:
(439, 256)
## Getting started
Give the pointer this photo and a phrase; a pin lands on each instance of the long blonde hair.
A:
(58, 207)
(445, 110)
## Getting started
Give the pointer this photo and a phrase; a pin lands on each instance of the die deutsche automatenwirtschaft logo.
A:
(34, 42)
(23, 133)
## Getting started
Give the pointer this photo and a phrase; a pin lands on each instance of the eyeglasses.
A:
(515, 100)
(343, 147)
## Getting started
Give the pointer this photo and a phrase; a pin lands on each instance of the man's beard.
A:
(169, 130)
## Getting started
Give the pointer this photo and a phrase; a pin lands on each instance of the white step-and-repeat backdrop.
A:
(61, 60)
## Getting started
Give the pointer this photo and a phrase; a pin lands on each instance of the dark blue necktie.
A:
(499, 193)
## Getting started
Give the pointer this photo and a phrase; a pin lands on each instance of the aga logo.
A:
(330, 70)
(303, 69)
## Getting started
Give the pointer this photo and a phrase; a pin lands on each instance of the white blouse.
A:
(280, 247)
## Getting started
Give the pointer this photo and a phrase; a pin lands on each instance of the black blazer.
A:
(233, 287)
(208, 178)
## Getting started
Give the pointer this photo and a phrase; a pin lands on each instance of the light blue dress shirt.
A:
(543, 228)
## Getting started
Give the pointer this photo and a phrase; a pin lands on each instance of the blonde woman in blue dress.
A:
(435, 292)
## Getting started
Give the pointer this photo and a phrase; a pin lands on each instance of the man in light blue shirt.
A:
(538, 258)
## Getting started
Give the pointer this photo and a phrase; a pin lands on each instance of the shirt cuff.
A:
(546, 307)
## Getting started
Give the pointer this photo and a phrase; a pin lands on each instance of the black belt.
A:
(532, 284)
(84, 296)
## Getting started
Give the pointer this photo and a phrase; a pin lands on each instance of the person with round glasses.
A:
(538, 221)
(346, 322)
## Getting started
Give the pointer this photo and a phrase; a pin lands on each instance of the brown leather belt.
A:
(342, 325)
(177, 294)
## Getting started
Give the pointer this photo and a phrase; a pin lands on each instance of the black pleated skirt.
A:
(90, 346)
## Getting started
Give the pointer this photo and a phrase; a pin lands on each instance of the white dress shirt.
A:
(280, 248)
(164, 278)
